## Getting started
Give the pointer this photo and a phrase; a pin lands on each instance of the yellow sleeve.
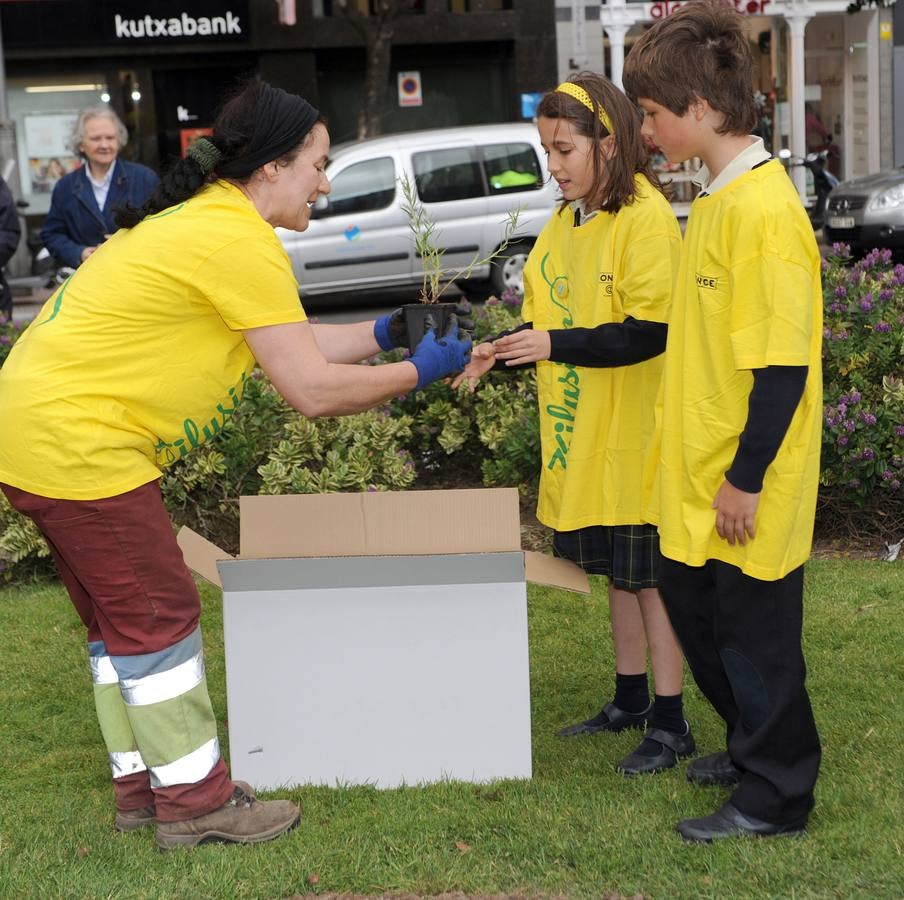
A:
(250, 284)
(649, 269)
(771, 312)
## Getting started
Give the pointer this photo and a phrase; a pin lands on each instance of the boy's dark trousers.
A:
(742, 640)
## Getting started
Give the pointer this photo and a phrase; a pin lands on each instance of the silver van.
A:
(468, 179)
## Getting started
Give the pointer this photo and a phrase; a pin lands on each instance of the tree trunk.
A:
(378, 32)
(376, 78)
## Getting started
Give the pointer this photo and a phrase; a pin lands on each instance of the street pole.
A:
(8, 158)
(9, 164)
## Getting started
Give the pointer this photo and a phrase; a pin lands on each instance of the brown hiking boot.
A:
(133, 819)
(243, 819)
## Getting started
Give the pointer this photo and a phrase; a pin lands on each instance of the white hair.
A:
(96, 112)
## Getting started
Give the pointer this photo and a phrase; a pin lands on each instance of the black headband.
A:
(282, 122)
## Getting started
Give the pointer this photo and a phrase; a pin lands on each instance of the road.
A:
(29, 295)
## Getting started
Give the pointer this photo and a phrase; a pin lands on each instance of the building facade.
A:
(824, 77)
(164, 65)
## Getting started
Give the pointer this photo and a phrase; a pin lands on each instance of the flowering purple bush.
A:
(863, 374)
(9, 334)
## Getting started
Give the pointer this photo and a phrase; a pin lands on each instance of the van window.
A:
(361, 187)
(452, 174)
(511, 167)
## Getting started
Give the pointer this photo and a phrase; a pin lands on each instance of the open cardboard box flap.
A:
(390, 523)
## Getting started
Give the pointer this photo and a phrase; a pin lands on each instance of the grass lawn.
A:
(578, 829)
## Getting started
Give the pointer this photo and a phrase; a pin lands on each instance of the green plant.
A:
(863, 374)
(423, 230)
(202, 490)
(9, 334)
(491, 435)
(269, 448)
(24, 554)
(363, 452)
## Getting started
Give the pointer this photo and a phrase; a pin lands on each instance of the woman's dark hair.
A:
(700, 51)
(258, 124)
(613, 180)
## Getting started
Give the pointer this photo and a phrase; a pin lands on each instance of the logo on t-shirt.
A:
(710, 282)
(607, 280)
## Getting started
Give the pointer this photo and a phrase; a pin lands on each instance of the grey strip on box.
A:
(370, 571)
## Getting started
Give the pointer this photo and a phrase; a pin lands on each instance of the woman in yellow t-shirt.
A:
(597, 288)
(139, 357)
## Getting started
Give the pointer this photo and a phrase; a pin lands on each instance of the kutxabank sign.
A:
(52, 23)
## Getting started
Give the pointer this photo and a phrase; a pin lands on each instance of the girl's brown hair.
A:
(613, 180)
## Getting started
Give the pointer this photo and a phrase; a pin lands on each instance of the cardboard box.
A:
(378, 638)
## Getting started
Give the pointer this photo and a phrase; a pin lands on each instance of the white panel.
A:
(386, 686)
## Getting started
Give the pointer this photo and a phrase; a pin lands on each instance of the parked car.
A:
(868, 212)
(468, 179)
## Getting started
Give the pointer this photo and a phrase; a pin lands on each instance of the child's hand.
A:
(523, 347)
(735, 513)
(482, 360)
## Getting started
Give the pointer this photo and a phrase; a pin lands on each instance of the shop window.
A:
(469, 6)
(362, 187)
(452, 174)
(44, 111)
(330, 8)
(511, 167)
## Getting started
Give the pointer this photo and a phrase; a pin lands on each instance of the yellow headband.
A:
(579, 94)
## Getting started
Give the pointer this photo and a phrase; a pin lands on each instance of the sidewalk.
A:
(29, 295)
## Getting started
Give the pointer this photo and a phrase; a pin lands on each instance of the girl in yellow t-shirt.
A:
(597, 288)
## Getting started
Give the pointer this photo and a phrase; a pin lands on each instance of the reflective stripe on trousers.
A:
(155, 712)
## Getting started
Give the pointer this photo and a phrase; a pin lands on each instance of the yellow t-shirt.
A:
(748, 296)
(139, 356)
(595, 423)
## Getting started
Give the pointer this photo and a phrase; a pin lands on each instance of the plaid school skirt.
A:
(627, 554)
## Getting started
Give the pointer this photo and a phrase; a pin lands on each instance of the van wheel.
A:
(474, 288)
(507, 270)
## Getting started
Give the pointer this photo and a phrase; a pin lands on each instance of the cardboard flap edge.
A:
(540, 568)
(200, 555)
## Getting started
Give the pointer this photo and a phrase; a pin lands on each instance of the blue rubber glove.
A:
(391, 331)
(435, 358)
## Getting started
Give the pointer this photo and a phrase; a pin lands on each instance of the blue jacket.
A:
(75, 221)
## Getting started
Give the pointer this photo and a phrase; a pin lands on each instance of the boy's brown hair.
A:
(700, 51)
(613, 180)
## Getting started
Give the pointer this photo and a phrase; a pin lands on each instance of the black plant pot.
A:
(416, 320)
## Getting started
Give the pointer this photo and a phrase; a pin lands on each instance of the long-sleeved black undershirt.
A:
(776, 392)
(770, 408)
(606, 346)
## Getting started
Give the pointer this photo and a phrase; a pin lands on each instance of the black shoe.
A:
(672, 748)
(716, 768)
(729, 821)
(609, 718)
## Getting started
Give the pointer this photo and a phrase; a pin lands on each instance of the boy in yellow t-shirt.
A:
(733, 479)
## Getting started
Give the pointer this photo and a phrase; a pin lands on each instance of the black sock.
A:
(632, 694)
(668, 715)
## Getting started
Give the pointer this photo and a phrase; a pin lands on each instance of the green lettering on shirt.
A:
(559, 294)
(168, 452)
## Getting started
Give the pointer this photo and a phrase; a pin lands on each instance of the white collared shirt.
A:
(101, 188)
(749, 157)
(581, 214)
